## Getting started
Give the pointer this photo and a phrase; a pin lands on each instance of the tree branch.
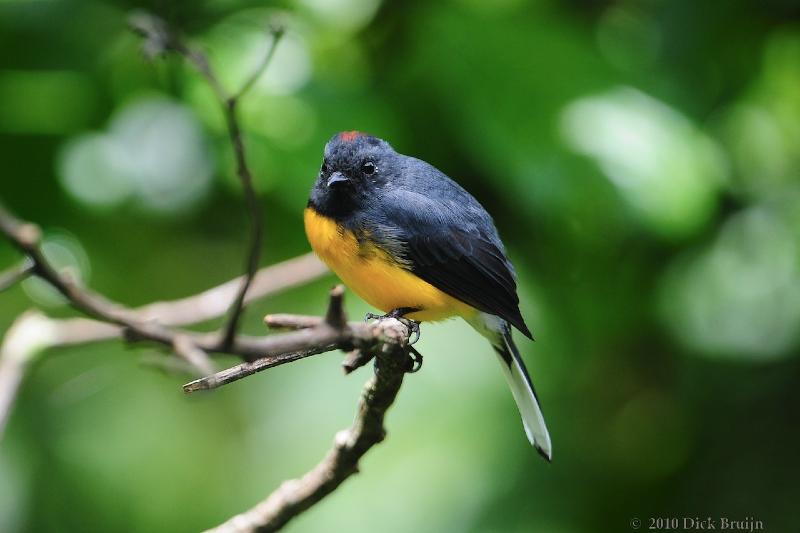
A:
(284, 321)
(297, 495)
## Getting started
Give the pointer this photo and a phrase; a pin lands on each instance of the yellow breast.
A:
(372, 274)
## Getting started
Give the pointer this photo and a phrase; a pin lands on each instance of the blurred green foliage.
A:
(640, 158)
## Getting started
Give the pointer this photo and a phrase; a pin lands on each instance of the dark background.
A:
(641, 162)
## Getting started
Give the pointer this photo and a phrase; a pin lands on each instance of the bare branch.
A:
(297, 495)
(284, 321)
(294, 346)
(256, 223)
(15, 274)
(243, 370)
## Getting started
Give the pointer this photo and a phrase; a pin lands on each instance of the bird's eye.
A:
(324, 168)
(368, 168)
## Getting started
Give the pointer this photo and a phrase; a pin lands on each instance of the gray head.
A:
(355, 167)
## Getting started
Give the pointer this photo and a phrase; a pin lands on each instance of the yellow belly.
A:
(374, 276)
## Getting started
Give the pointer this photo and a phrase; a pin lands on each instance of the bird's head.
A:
(354, 168)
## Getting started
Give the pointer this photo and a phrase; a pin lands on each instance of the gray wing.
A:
(453, 245)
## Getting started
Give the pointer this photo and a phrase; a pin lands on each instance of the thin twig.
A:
(159, 38)
(229, 375)
(286, 321)
(251, 199)
(277, 32)
(256, 223)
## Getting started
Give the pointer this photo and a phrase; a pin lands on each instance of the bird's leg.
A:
(399, 314)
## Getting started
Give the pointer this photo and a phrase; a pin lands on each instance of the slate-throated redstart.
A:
(415, 244)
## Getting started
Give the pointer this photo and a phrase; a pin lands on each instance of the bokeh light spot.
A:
(344, 15)
(88, 172)
(154, 155)
(665, 168)
(740, 297)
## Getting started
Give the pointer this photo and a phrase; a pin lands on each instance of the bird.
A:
(413, 243)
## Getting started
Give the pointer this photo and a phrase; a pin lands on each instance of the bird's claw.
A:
(413, 327)
(415, 360)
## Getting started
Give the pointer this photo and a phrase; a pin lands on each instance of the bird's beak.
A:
(337, 178)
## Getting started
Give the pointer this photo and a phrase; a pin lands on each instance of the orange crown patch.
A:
(348, 136)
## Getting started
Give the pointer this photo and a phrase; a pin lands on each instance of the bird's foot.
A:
(399, 314)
